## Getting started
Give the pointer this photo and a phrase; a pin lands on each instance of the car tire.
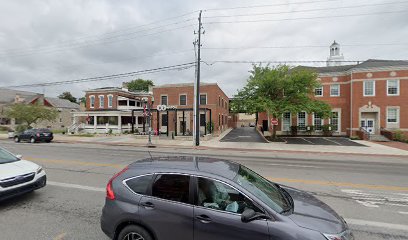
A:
(32, 140)
(48, 141)
(16, 139)
(136, 231)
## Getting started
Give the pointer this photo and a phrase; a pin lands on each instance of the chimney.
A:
(125, 86)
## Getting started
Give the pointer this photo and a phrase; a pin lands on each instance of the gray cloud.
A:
(44, 40)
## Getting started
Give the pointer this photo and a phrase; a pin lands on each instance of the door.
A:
(217, 214)
(265, 125)
(168, 211)
(26, 135)
(369, 125)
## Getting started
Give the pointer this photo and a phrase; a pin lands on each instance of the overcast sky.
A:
(48, 41)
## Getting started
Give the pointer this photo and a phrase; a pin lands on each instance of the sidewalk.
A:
(129, 140)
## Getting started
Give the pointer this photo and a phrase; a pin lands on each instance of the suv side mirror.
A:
(250, 215)
(19, 156)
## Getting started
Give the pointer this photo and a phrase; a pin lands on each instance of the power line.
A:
(306, 10)
(285, 61)
(305, 46)
(182, 66)
(270, 5)
(305, 18)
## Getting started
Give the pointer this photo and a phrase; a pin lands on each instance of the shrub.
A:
(293, 130)
(210, 126)
(310, 129)
(110, 131)
(327, 129)
(355, 138)
(399, 136)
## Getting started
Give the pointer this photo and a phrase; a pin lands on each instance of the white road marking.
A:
(292, 165)
(405, 213)
(377, 199)
(382, 225)
(308, 141)
(76, 186)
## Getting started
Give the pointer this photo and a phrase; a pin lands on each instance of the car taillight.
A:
(38, 134)
(110, 194)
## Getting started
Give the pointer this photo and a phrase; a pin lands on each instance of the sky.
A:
(52, 41)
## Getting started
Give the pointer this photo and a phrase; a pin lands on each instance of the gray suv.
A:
(198, 198)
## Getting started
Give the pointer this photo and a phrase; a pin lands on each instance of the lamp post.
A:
(149, 120)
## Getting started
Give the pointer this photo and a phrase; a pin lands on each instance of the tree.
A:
(280, 89)
(31, 113)
(140, 85)
(68, 96)
(82, 100)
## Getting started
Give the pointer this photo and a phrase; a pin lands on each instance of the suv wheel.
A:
(133, 232)
(16, 139)
(32, 140)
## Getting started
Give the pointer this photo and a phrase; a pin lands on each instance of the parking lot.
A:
(334, 141)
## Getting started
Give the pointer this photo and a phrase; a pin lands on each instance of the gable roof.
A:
(9, 95)
(62, 103)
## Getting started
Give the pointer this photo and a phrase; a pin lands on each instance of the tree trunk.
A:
(274, 130)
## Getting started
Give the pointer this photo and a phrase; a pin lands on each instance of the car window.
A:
(139, 185)
(28, 131)
(6, 157)
(172, 187)
(263, 189)
(216, 195)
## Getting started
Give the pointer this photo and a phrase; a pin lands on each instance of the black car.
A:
(35, 135)
(202, 198)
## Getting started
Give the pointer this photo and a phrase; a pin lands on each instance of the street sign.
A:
(274, 121)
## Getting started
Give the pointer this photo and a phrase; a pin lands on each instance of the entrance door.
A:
(265, 125)
(369, 125)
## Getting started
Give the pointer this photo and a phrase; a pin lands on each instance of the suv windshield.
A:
(263, 189)
(6, 157)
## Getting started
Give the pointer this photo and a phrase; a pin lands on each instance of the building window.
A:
(122, 103)
(392, 87)
(335, 90)
(163, 100)
(203, 99)
(286, 121)
(219, 101)
(392, 115)
(132, 103)
(183, 100)
(334, 121)
(202, 120)
(369, 88)
(110, 101)
(319, 91)
(164, 120)
(92, 101)
(302, 121)
(101, 101)
(222, 103)
(317, 122)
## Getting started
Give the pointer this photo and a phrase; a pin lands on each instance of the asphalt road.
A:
(243, 134)
(370, 192)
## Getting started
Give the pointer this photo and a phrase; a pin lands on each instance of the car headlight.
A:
(39, 170)
(346, 235)
(332, 236)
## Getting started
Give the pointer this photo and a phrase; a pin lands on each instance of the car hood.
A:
(13, 169)
(309, 212)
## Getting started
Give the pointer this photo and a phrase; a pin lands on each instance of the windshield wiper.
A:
(288, 199)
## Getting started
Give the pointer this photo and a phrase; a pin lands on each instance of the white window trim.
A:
(206, 98)
(321, 122)
(364, 87)
(398, 115)
(338, 120)
(338, 94)
(297, 116)
(101, 102)
(290, 122)
(110, 104)
(90, 101)
(181, 94)
(322, 92)
(398, 87)
(164, 95)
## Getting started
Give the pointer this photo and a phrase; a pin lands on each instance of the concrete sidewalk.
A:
(130, 140)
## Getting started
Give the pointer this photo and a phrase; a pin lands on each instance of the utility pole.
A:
(197, 84)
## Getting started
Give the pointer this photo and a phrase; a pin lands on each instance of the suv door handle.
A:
(204, 218)
(147, 205)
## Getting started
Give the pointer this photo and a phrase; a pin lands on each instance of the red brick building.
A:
(179, 102)
(368, 97)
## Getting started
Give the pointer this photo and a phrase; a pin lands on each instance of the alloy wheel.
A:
(133, 236)
(32, 140)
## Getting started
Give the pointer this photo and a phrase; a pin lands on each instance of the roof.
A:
(182, 85)
(62, 103)
(370, 63)
(9, 95)
(116, 89)
(203, 165)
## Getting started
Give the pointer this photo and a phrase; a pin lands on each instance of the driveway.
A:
(334, 141)
(243, 134)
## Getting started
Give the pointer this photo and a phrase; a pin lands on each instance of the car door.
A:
(217, 213)
(168, 211)
(26, 135)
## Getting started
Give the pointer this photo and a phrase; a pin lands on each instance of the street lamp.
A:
(147, 104)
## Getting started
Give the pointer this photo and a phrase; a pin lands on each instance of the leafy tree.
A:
(139, 85)
(31, 113)
(280, 89)
(82, 100)
(68, 96)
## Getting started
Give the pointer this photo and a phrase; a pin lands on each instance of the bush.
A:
(399, 136)
(293, 130)
(310, 129)
(210, 126)
(21, 128)
(5, 129)
(355, 138)
(110, 131)
(327, 129)
(59, 131)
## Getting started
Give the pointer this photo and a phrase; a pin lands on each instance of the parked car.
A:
(199, 198)
(18, 176)
(10, 134)
(252, 124)
(35, 135)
